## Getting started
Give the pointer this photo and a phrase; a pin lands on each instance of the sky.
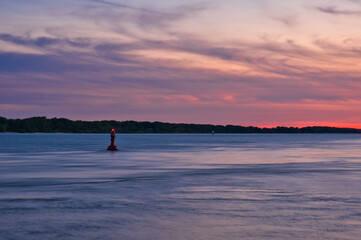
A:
(244, 62)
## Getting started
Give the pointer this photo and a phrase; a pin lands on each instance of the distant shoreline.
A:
(63, 125)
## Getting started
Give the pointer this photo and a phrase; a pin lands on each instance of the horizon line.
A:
(332, 125)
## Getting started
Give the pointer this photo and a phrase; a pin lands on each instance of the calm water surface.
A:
(67, 186)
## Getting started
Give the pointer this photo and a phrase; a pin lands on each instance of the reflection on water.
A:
(66, 186)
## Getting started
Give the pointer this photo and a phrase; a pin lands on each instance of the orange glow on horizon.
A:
(321, 124)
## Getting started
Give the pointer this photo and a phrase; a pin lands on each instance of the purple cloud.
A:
(40, 42)
(336, 11)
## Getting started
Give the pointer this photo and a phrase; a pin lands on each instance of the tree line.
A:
(63, 125)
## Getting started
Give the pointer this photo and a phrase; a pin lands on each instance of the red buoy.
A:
(112, 147)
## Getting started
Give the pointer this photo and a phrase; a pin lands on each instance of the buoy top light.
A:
(112, 129)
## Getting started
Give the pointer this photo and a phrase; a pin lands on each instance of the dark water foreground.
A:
(66, 186)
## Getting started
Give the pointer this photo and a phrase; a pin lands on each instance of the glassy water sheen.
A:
(67, 186)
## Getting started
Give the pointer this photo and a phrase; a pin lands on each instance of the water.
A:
(67, 186)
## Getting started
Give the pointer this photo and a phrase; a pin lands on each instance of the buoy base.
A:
(112, 148)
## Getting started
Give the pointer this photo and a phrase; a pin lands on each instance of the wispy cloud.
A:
(143, 17)
(287, 20)
(120, 5)
(337, 11)
(41, 41)
(267, 59)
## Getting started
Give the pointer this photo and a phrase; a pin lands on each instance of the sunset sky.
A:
(244, 62)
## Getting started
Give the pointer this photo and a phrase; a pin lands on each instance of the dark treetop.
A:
(43, 124)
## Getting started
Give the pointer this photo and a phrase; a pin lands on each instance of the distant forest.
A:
(63, 125)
